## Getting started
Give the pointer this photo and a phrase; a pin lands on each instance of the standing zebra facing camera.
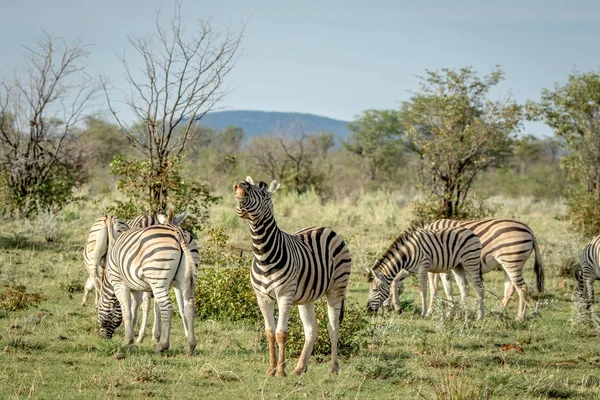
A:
(422, 251)
(589, 272)
(150, 260)
(506, 243)
(293, 269)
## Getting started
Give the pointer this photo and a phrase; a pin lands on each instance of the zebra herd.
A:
(128, 261)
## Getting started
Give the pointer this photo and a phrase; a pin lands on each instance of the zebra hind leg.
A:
(334, 311)
(309, 322)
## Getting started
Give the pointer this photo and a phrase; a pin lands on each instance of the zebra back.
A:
(503, 240)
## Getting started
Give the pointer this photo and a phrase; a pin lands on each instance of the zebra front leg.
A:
(423, 289)
(433, 288)
(89, 285)
(397, 288)
(161, 296)
(333, 327)
(309, 322)
(180, 306)
(589, 295)
(136, 299)
(509, 290)
(268, 311)
(145, 311)
(475, 277)
(124, 296)
(188, 318)
(156, 323)
(284, 305)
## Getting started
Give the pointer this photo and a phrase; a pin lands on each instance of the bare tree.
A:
(182, 80)
(39, 108)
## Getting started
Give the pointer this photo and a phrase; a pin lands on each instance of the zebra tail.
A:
(342, 310)
(190, 266)
(538, 267)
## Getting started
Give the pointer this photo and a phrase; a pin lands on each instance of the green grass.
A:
(52, 351)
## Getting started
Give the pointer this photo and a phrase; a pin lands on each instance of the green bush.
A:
(584, 210)
(16, 298)
(148, 190)
(429, 210)
(353, 331)
(226, 294)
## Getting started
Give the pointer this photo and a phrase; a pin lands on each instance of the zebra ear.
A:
(377, 275)
(273, 187)
(162, 218)
(178, 219)
(249, 180)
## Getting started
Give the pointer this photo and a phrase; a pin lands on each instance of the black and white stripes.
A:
(589, 272)
(507, 243)
(293, 269)
(151, 259)
(423, 251)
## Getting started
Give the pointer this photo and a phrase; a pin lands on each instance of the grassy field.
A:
(52, 351)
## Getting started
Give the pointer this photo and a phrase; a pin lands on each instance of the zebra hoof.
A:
(334, 368)
(280, 372)
(299, 371)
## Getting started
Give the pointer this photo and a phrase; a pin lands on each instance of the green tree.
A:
(377, 138)
(458, 131)
(572, 110)
(39, 111)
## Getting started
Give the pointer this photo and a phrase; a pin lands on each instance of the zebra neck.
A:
(266, 240)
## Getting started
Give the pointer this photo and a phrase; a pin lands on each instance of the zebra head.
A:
(379, 291)
(253, 202)
(109, 310)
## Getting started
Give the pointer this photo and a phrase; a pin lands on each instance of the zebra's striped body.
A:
(95, 250)
(506, 243)
(293, 269)
(590, 271)
(150, 260)
(142, 221)
(423, 251)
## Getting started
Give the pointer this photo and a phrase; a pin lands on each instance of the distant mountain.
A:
(257, 123)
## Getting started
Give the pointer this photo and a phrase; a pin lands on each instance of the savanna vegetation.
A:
(448, 151)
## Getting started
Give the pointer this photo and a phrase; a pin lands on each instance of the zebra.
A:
(293, 269)
(423, 251)
(589, 272)
(144, 260)
(95, 250)
(506, 243)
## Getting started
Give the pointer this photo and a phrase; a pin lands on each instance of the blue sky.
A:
(337, 58)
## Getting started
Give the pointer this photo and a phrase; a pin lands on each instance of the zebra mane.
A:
(400, 241)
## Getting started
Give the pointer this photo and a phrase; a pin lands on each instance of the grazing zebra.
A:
(505, 242)
(293, 269)
(423, 251)
(95, 250)
(589, 272)
(144, 260)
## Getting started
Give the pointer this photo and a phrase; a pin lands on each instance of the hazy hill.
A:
(262, 122)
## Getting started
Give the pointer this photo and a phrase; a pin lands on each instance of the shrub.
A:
(429, 210)
(584, 210)
(353, 331)
(148, 189)
(226, 294)
(16, 298)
